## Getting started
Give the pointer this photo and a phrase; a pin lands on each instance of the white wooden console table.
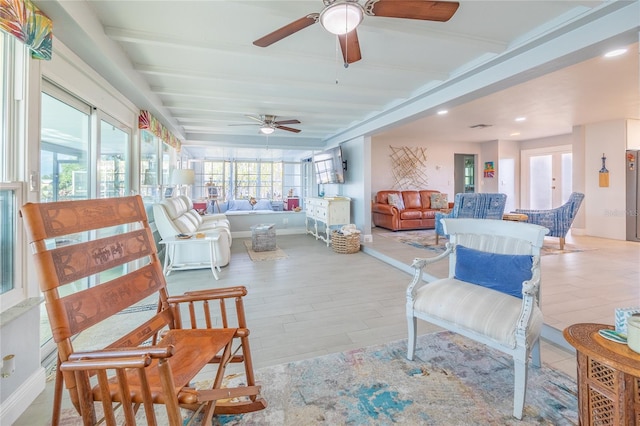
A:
(330, 211)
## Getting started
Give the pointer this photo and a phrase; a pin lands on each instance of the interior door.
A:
(546, 177)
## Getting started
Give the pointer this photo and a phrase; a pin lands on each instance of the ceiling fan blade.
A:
(244, 124)
(286, 122)
(287, 30)
(288, 129)
(258, 118)
(350, 47)
(412, 9)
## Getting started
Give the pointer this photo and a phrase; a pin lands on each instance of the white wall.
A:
(440, 162)
(601, 204)
(509, 173)
(633, 134)
(488, 152)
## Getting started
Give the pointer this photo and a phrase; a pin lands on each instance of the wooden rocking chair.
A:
(106, 248)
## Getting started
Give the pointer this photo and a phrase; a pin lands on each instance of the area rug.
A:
(451, 381)
(426, 240)
(258, 256)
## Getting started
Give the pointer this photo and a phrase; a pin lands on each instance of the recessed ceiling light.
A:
(521, 118)
(515, 134)
(443, 112)
(616, 52)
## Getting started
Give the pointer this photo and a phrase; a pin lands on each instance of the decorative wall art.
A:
(489, 170)
(603, 174)
(408, 165)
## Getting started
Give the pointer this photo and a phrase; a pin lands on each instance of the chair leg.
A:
(57, 395)
(437, 237)
(535, 354)
(520, 387)
(411, 341)
(561, 243)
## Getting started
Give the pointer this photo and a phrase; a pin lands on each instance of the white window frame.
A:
(19, 291)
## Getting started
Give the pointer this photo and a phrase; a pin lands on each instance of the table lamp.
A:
(182, 177)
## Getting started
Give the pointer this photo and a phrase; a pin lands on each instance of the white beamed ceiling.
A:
(193, 64)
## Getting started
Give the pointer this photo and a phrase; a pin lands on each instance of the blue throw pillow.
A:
(501, 272)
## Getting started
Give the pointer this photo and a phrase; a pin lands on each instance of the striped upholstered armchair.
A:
(557, 220)
(473, 206)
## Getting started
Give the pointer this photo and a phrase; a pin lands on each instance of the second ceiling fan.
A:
(269, 123)
(342, 17)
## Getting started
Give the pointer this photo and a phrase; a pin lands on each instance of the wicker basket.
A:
(345, 244)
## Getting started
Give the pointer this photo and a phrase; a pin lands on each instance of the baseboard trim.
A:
(13, 407)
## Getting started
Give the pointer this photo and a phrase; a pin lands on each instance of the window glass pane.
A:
(540, 178)
(114, 161)
(8, 209)
(213, 175)
(64, 151)
(3, 108)
(149, 165)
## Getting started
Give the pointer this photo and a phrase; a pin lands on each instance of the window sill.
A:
(18, 310)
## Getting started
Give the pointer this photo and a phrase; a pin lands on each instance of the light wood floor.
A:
(317, 302)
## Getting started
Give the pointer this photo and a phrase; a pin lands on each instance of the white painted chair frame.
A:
(495, 236)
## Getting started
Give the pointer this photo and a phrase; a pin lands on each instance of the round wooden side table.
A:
(608, 377)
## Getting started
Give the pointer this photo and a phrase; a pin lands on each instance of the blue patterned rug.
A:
(452, 381)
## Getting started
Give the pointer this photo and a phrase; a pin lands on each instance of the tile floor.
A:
(317, 302)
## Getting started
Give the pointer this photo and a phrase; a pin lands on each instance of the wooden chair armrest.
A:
(140, 361)
(148, 351)
(209, 294)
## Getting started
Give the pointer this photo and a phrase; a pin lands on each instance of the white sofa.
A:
(176, 215)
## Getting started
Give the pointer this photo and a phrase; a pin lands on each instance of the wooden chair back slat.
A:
(51, 220)
(89, 307)
(77, 261)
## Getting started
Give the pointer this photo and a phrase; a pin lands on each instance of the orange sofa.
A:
(416, 214)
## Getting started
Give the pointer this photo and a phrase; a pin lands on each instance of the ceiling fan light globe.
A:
(341, 17)
(267, 130)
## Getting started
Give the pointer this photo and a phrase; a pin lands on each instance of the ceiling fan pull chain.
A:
(336, 57)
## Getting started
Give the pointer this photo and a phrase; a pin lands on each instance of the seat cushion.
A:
(479, 309)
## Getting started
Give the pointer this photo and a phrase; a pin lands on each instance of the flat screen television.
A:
(328, 166)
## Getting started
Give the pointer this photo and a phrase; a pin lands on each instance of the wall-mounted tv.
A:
(329, 166)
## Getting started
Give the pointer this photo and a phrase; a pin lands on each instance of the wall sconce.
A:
(603, 175)
(8, 366)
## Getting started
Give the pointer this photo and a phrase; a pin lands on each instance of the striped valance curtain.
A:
(147, 121)
(23, 20)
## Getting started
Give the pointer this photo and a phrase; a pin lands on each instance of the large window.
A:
(114, 162)
(156, 159)
(84, 153)
(271, 180)
(64, 147)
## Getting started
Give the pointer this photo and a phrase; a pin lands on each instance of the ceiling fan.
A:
(342, 17)
(268, 124)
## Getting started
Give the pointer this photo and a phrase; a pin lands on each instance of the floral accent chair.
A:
(473, 206)
(557, 220)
